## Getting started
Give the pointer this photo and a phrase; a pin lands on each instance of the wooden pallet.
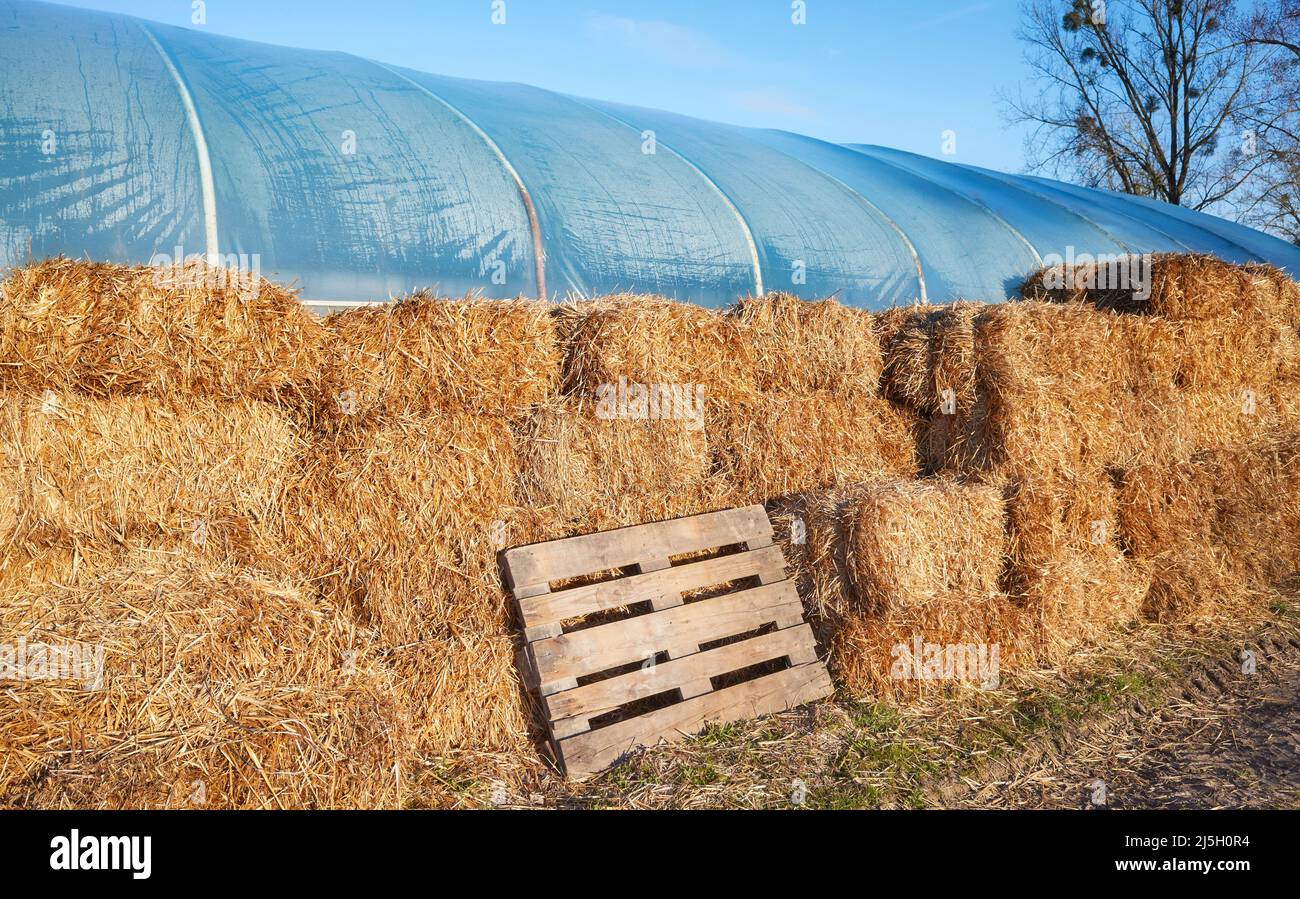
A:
(665, 652)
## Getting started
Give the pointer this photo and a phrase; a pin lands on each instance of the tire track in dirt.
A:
(1230, 740)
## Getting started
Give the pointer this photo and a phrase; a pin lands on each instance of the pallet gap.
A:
(637, 708)
(711, 591)
(606, 616)
(705, 555)
(763, 631)
(660, 658)
(750, 672)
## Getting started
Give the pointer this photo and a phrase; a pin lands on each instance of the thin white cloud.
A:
(664, 42)
(774, 101)
(953, 15)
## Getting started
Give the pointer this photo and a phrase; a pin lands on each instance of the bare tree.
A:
(1271, 119)
(1138, 96)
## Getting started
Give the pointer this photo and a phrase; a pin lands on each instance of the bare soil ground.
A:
(1230, 738)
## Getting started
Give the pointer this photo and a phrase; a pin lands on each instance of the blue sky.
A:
(865, 71)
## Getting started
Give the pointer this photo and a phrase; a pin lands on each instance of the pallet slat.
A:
(637, 639)
(558, 560)
(607, 695)
(550, 608)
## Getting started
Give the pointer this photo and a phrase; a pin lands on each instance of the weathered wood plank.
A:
(588, 753)
(665, 600)
(634, 639)
(561, 559)
(549, 608)
(597, 699)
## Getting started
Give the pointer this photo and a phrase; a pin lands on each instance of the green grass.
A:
(844, 795)
(1286, 609)
(699, 775)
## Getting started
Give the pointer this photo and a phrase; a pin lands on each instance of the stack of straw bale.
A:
(791, 393)
(1214, 528)
(221, 688)
(145, 407)
(1065, 567)
(884, 564)
(1202, 387)
(588, 465)
(147, 434)
(285, 535)
(409, 492)
(816, 420)
(397, 526)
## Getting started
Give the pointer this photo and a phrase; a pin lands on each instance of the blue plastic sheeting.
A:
(1135, 232)
(613, 218)
(966, 251)
(1185, 237)
(1048, 227)
(346, 176)
(813, 235)
(126, 141)
(95, 156)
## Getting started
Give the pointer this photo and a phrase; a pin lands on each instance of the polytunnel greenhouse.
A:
(128, 141)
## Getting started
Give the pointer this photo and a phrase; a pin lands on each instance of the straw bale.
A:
(1051, 512)
(905, 334)
(202, 478)
(775, 445)
(806, 347)
(584, 473)
(879, 657)
(463, 695)
(650, 341)
(222, 688)
(882, 564)
(1065, 567)
(925, 559)
(1068, 387)
(1215, 526)
(1047, 378)
(810, 529)
(110, 330)
(425, 355)
(400, 522)
(916, 544)
(1273, 292)
(401, 525)
(952, 392)
(23, 565)
(1206, 354)
(930, 356)
(1077, 600)
(1182, 287)
(1258, 520)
